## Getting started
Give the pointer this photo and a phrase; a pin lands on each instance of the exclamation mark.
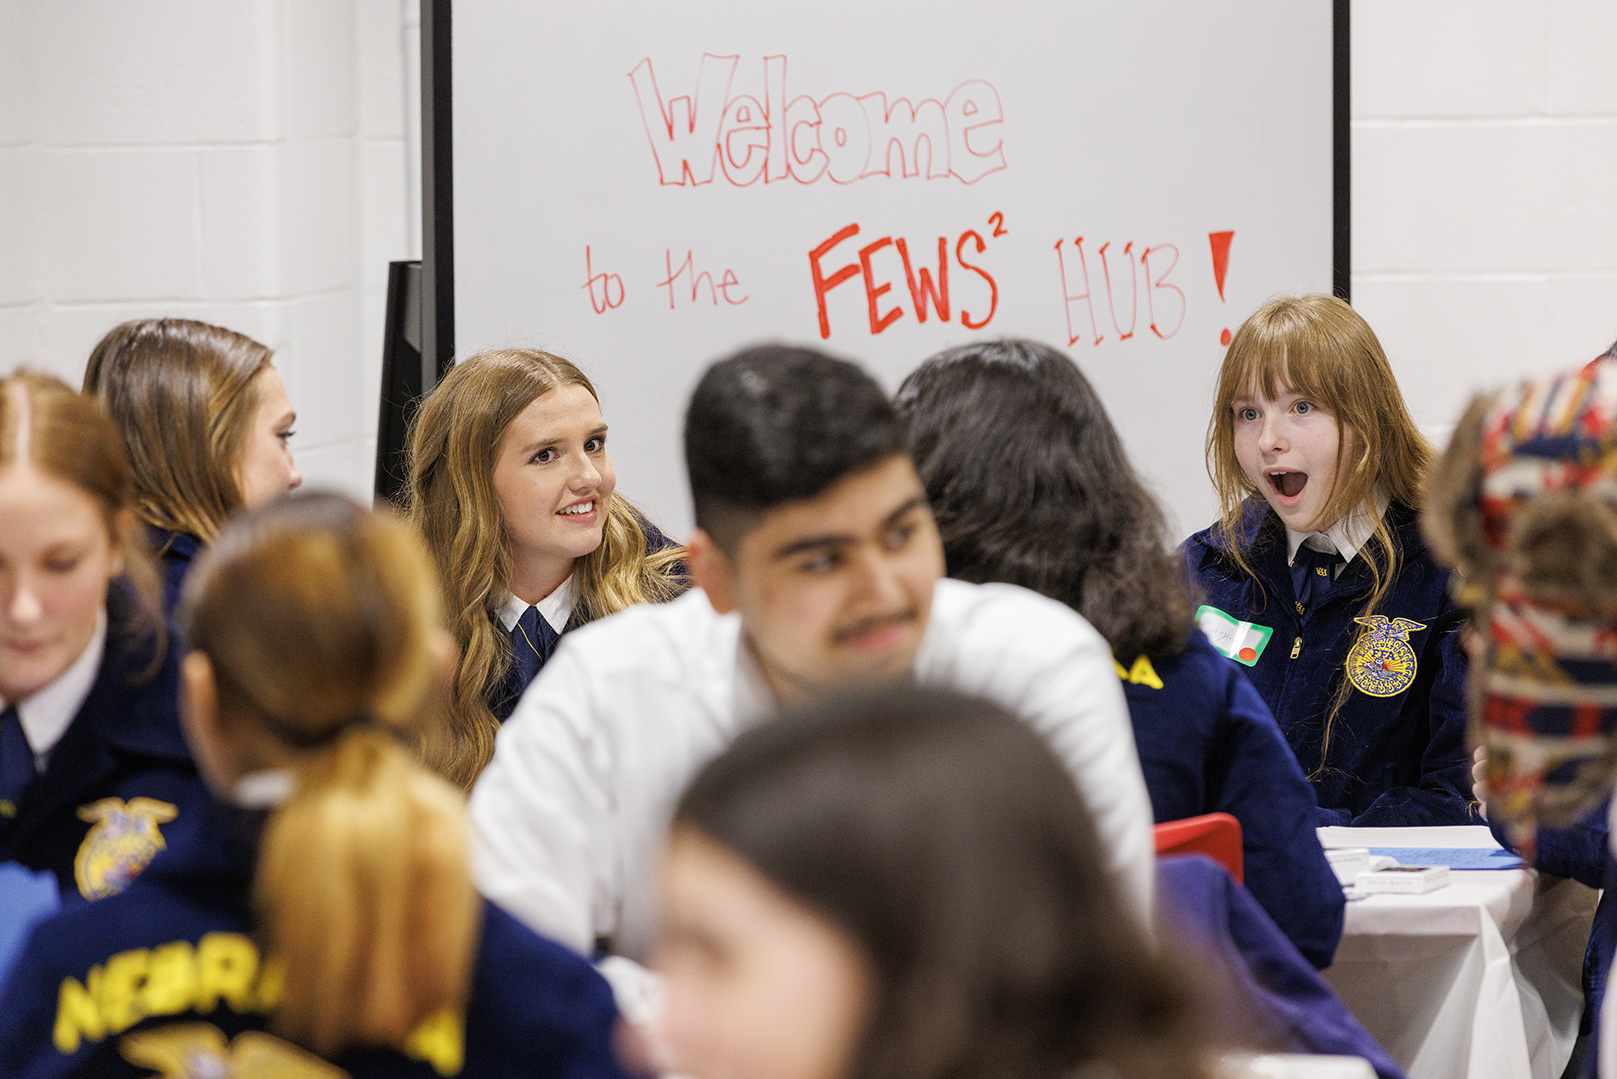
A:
(1221, 263)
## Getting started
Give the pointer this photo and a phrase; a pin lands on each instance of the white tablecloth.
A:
(1481, 979)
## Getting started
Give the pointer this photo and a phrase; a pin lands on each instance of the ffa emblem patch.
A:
(193, 1050)
(1381, 663)
(122, 841)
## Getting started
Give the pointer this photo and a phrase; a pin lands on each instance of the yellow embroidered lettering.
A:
(1122, 671)
(77, 1017)
(227, 963)
(440, 1040)
(118, 995)
(1144, 674)
(270, 983)
(171, 983)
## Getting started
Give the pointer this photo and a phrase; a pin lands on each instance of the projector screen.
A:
(644, 187)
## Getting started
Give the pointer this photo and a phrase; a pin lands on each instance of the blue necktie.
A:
(16, 762)
(532, 641)
(1312, 574)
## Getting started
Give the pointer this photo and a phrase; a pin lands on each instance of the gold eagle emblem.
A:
(201, 1051)
(122, 841)
(1381, 663)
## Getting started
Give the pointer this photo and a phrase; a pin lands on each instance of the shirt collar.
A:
(1346, 537)
(47, 714)
(555, 608)
(263, 790)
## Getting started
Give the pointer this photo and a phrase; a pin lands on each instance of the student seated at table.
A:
(819, 568)
(1521, 506)
(207, 425)
(1316, 576)
(95, 778)
(906, 886)
(513, 488)
(1056, 507)
(326, 908)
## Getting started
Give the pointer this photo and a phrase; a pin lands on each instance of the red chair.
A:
(1217, 835)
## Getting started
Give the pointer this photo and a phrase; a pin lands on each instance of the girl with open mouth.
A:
(1316, 576)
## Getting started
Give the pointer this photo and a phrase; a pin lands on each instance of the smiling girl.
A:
(1316, 576)
(513, 488)
(94, 773)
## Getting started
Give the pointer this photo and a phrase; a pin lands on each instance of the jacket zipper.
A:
(1296, 648)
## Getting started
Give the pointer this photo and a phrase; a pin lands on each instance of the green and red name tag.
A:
(1242, 641)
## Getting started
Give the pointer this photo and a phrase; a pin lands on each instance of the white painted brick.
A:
(18, 279)
(319, 60)
(323, 363)
(1451, 198)
(1447, 57)
(372, 327)
(115, 74)
(1582, 319)
(16, 76)
(118, 224)
(1448, 339)
(17, 338)
(319, 215)
(1579, 38)
(384, 233)
(347, 467)
(380, 40)
(1579, 195)
(240, 222)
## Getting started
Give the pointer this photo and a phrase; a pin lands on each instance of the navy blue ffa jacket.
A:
(1208, 744)
(174, 550)
(120, 785)
(1397, 753)
(503, 700)
(168, 978)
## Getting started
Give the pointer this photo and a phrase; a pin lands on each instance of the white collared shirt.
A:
(47, 714)
(571, 815)
(555, 608)
(1346, 537)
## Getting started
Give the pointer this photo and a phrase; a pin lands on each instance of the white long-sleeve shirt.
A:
(571, 815)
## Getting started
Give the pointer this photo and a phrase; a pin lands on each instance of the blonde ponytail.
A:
(364, 896)
(320, 621)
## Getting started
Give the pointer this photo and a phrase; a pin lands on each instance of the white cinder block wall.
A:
(240, 162)
(1484, 190)
(251, 162)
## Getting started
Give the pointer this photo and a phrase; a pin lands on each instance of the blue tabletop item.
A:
(1453, 857)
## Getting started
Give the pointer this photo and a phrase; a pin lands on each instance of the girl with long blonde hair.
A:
(512, 486)
(324, 907)
(207, 425)
(1316, 576)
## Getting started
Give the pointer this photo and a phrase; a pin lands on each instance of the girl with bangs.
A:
(1316, 576)
(513, 488)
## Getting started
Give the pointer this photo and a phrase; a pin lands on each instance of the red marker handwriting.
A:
(1220, 242)
(1147, 275)
(695, 280)
(603, 300)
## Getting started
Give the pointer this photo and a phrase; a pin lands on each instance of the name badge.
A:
(1242, 641)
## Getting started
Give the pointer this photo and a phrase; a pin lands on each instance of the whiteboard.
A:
(644, 187)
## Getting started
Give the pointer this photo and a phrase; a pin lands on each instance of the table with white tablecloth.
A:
(1480, 979)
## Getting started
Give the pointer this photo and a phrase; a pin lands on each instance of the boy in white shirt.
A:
(818, 568)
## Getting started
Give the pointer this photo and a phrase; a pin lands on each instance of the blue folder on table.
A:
(1453, 857)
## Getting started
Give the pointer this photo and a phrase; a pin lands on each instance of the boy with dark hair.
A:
(818, 568)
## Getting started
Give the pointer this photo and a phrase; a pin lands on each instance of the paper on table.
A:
(1453, 857)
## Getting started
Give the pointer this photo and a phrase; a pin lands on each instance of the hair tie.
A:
(359, 721)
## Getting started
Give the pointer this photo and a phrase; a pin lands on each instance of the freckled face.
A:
(759, 986)
(1289, 448)
(56, 558)
(553, 477)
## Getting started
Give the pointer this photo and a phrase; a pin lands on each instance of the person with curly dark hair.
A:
(1030, 485)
